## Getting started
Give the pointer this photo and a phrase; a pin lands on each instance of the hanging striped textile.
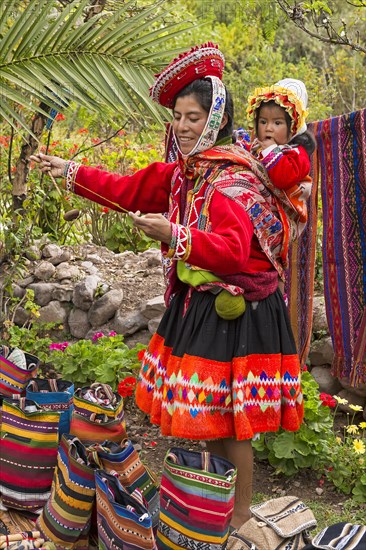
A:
(300, 275)
(342, 154)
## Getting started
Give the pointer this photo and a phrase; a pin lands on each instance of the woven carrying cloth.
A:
(342, 153)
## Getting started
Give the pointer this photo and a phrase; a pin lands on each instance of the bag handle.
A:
(205, 457)
(32, 384)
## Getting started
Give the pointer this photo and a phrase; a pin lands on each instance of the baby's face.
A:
(272, 126)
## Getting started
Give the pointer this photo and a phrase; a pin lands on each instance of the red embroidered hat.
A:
(199, 62)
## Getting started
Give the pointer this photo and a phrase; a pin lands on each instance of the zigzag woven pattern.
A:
(342, 154)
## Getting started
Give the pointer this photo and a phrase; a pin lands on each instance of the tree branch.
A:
(325, 31)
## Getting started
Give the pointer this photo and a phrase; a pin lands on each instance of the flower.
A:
(305, 368)
(338, 440)
(352, 429)
(97, 335)
(126, 387)
(356, 408)
(327, 400)
(105, 210)
(141, 355)
(60, 116)
(83, 131)
(340, 400)
(362, 425)
(95, 140)
(359, 447)
(58, 346)
(112, 333)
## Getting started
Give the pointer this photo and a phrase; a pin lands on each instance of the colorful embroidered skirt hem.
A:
(206, 378)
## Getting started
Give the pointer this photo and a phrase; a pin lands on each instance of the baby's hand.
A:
(267, 142)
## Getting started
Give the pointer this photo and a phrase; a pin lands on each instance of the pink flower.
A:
(112, 333)
(59, 346)
(97, 335)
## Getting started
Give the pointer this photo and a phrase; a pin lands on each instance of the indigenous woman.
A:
(218, 369)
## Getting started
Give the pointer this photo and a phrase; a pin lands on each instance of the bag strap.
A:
(249, 544)
(32, 384)
(205, 455)
(53, 383)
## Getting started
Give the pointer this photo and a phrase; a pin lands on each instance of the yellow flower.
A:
(362, 425)
(339, 440)
(356, 408)
(340, 400)
(352, 429)
(359, 447)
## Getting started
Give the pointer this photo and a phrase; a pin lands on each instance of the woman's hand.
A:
(50, 164)
(155, 226)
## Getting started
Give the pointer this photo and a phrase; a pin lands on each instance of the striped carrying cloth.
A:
(66, 517)
(132, 473)
(13, 377)
(123, 520)
(28, 453)
(98, 415)
(196, 501)
(342, 154)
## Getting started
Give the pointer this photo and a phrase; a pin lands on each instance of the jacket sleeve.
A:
(285, 165)
(225, 249)
(147, 190)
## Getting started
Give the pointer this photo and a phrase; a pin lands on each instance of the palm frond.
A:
(106, 63)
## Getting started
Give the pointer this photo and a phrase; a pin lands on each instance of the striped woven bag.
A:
(14, 378)
(132, 473)
(123, 520)
(54, 395)
(66, 517)
(28, 453)
(98, 420)
(196, 500)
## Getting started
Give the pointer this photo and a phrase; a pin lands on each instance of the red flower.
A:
(60, 116)
(84, 159)
(95, 140)
(127, 386)
(305, 368)
(327, 400)
(141, 355)
(105, 210)
(83, 131)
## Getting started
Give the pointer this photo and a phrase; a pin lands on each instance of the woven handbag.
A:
(279, 523)
(123, 520)
(132, 473)
(98, 420)
(340, 536)
(16, 369)
(196, 500)
(28, 453)
(65, 518)
(55, 395)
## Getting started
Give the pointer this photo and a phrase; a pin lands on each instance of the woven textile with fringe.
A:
(342, 155)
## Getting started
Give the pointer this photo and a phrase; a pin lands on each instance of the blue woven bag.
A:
(55, 395)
